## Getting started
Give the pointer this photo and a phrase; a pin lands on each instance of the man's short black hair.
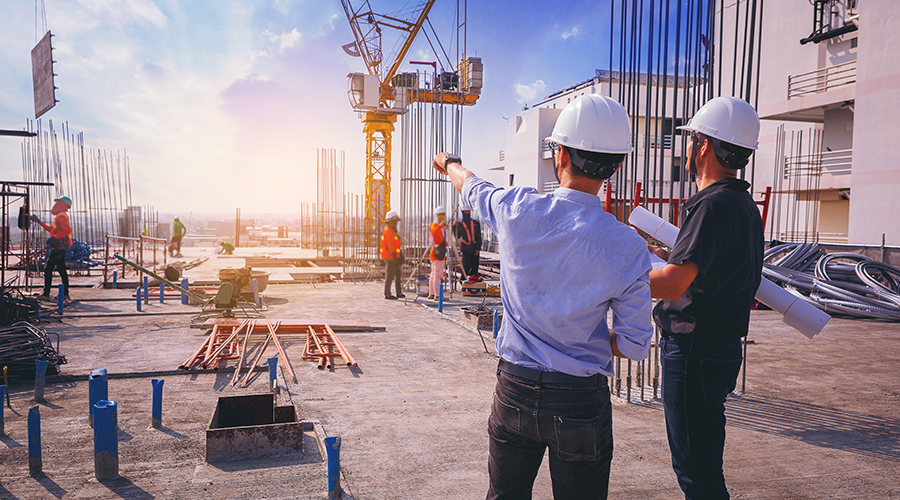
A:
(594, 165)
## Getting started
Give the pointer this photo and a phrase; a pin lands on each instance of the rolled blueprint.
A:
(796, 312)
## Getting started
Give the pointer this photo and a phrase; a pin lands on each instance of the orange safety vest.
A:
(390, 243)
(437, 237)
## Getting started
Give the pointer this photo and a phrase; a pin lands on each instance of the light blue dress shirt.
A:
(564, 262)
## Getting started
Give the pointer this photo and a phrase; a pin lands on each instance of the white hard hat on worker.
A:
(729, 121)
(593, 124)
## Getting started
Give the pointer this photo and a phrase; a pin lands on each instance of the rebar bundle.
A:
(98, 182)
(860, 288)
(23, 343)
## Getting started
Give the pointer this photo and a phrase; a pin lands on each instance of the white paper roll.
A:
(796, 312)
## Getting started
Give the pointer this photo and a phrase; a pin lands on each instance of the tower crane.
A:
(382, 94)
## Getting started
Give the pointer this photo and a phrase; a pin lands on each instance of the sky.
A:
(223, 104)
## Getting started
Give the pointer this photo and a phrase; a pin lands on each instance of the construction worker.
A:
(59, 242)
(708, 288)
(178, 231)
(438, 253)
(565, 263)
(468, 234)
(226, 248)
(392, 256)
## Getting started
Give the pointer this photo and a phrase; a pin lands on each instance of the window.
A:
(676, 169)
(511, 176)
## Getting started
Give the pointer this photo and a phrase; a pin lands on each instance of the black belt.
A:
(548, 377)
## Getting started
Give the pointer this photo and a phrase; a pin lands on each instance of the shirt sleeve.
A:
(697, 239)
(483, 197)
(631, 316)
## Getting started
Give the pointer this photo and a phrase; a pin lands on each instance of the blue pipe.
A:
(35, 465)
(2, 403)
(40, 372)
(273, 368)
(106, 442)
(138, 295)
(156, 410)
(115, 279)
(184, 297)
(98, 390)
(496, 324)
(333, 450)
(162, 293)
(441, 298)
(61, 297)
(255, 293)
(146, 289)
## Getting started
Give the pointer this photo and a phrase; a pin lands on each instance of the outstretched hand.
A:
(660, 252)
(438, 162)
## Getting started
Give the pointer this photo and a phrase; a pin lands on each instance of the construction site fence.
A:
(146, 251)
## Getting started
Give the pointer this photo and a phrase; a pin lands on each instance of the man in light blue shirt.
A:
(564, 262)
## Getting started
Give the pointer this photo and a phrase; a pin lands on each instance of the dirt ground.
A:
(819, 418)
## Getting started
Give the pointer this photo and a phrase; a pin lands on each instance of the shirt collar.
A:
(720, 185)
(578, 196)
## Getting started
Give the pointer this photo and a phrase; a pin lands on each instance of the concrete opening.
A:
(252, 426)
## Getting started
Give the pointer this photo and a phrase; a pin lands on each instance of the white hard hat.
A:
(728, 119)
(392, 214)
(594, 123)
(440, 210)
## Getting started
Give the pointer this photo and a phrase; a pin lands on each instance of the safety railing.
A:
(146, 251)
(821, 80)
(827, 162)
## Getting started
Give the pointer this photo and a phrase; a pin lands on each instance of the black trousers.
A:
(176, 239)
(392, 272)
(56, 260)
(470, 263)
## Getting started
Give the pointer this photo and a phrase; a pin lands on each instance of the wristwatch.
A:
(451, 158)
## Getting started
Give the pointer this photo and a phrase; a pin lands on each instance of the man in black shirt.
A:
(708, 287)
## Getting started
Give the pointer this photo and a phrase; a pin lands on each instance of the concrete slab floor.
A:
(819, 418)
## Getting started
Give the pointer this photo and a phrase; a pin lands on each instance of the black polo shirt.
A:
(723, 235)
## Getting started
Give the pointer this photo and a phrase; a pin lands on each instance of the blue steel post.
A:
(162, 293)
(496, 324)
(333, 450)
(156, 410)
(106, 442)
(184, 297)
(441, 298)
(255, 293)
(98, 390)
(61, 298)
(2, 397)
(35, 466)
(146, 289)
(40, 371)
(137, 292)
(115, 279)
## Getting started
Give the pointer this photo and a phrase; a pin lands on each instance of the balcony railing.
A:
(827, 162)
(822, 80)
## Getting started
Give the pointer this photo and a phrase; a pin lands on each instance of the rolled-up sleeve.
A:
(631, 318)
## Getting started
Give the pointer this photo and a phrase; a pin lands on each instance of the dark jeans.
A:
(56, 260)
(697, 377)
(574, 421)
(470, 263)
(392, 272)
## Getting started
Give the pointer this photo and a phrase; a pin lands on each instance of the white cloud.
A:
(529, 92)
(286, 39)
(571, 33)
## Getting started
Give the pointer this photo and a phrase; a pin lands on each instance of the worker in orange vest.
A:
(393, 257)
(468, 234)
(438, 254)
(59, 242)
